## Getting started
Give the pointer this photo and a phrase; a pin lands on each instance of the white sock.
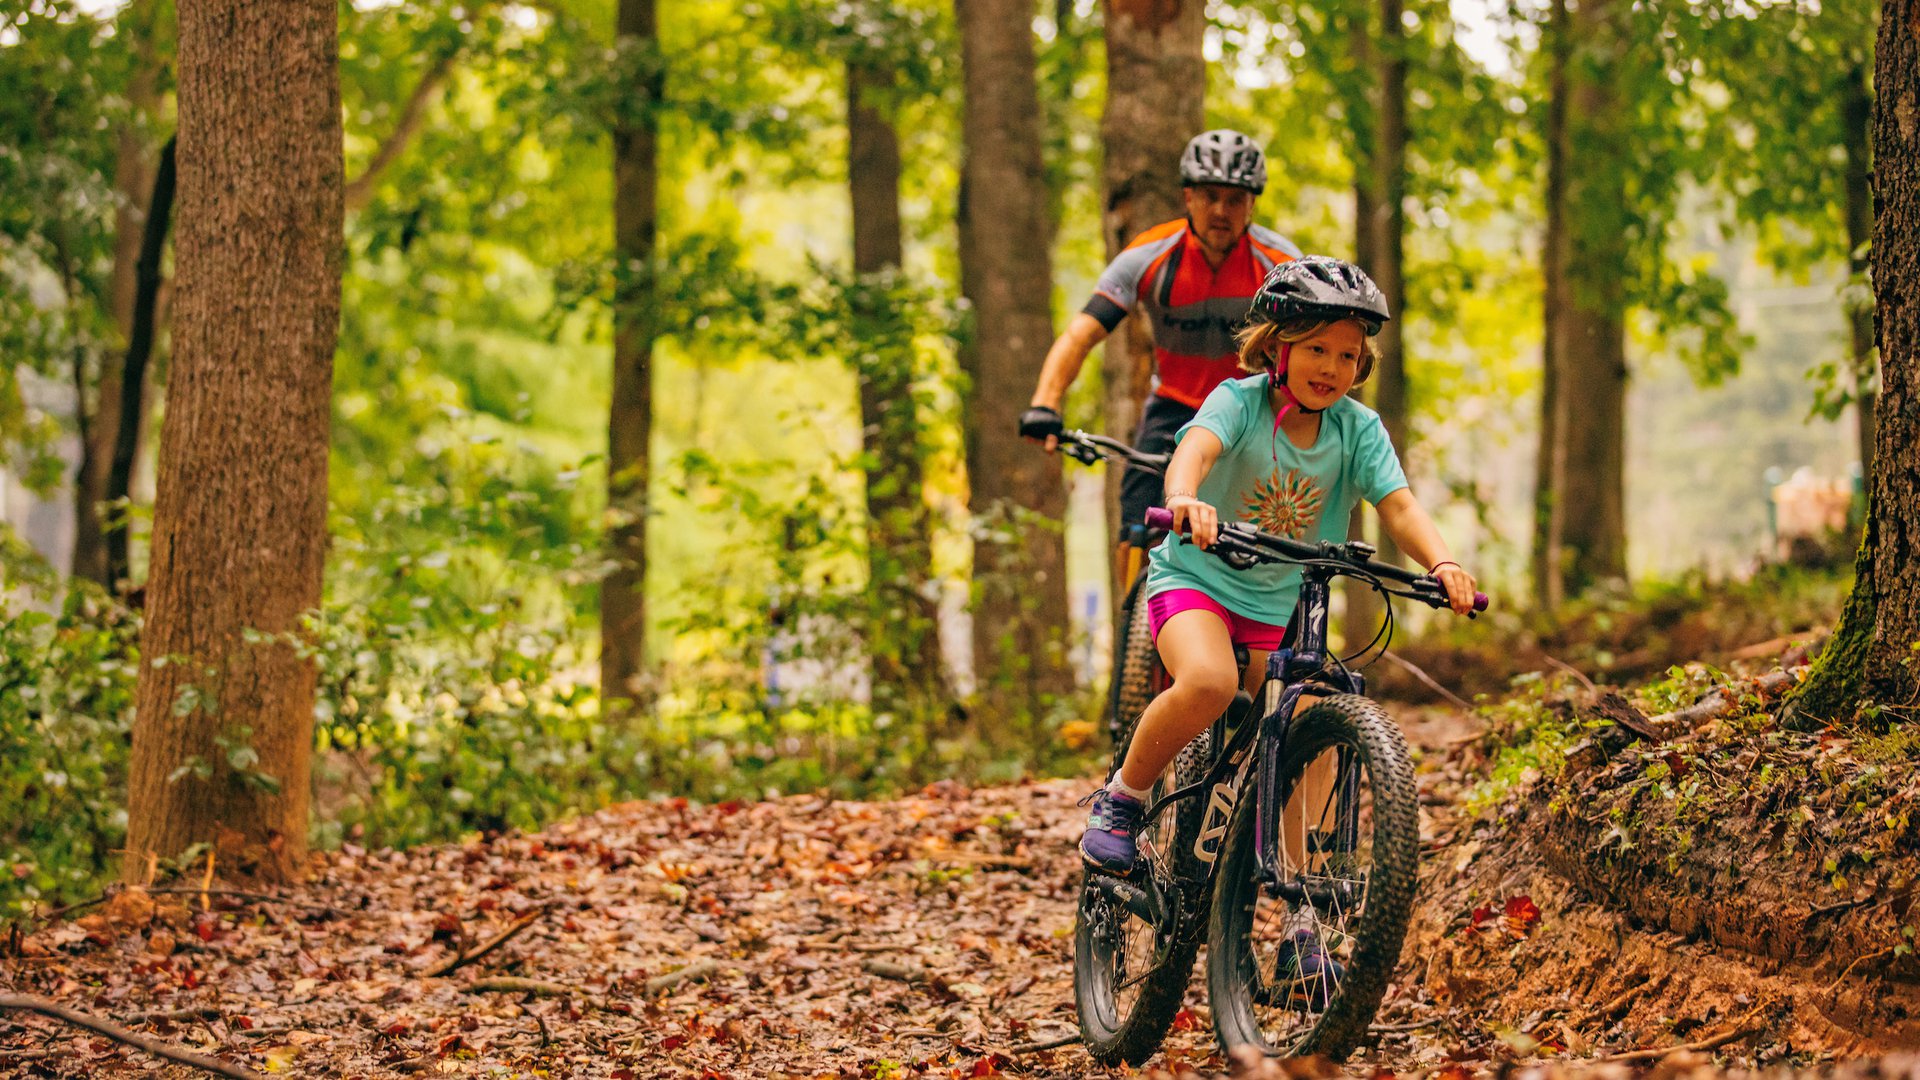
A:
(1120, 787)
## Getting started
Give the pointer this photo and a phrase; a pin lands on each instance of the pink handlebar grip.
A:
(1159, 517)
(1480, 601)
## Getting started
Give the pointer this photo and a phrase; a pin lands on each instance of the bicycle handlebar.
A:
(1088, 448)
(1242, 545)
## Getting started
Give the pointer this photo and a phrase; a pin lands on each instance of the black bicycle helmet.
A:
(1319, 287)
(1223, 157)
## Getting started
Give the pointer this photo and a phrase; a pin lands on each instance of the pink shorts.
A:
(1251, 633)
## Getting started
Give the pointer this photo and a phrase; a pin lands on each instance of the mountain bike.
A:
(1137, 676)
(1323, 855)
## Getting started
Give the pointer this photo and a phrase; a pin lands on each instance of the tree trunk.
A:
(1587, 321)
(1871, 655)
(1018, 499)
(240, 517)
(623, 622)
(903, 633)
(133, 180)
(1858, 114)
(1550, 459)
(1156, 101)
(130, 410)
(1380, 222)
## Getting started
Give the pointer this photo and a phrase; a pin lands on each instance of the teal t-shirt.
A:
(1263, 479)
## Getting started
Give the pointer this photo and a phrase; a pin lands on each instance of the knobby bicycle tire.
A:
(1133, 659)
(1133, 1038)
(1377, 931)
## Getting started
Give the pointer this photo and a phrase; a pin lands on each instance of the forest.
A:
(518, 554)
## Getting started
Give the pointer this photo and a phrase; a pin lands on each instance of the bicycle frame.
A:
(1290, 671)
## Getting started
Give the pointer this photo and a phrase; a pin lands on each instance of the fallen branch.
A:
(511, 985)
(699, 969)
(1389, 1029)
(1426, 680)
(1857, 961)
(1719, 703)
(49, 1007)
(454, 963)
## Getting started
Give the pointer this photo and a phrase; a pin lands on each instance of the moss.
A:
(1832, 690)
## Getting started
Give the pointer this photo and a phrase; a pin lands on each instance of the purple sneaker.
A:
(1307, 976)
(1108, 843)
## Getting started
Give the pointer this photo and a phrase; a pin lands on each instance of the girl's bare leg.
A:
(1198, 654)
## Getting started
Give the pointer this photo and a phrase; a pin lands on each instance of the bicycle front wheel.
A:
(1299, 967)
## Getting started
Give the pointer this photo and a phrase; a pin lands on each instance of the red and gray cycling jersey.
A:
(1193, 307)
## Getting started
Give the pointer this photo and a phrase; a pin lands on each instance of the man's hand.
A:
(1042, 424)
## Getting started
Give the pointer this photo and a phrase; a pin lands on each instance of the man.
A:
(1196, 277)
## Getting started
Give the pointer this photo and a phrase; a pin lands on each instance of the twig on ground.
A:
(1843, 905)
(460, 960)
(49, 1007)
(1741, 1028)
(1857, 961)
(1562, 665)
(1388, 1029)
(511, 985)
(699, 969)
(1426, 679)
(197, 1012)
(1657, 1052)
(1048, 1044)
(906, 973)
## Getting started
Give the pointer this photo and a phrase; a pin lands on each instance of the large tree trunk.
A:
(623, 612)
(133, 181)
(1871, 655)
(240, 520)
(1550, 460)
(1018, 499)
(1156, 101)
(1858, 114)
(903, 633)
(1585, 428)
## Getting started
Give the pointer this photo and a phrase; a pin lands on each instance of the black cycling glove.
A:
(1040, 422)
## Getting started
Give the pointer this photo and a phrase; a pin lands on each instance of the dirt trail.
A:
(804, 937)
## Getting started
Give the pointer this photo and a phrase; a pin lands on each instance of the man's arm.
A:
(1063, 362)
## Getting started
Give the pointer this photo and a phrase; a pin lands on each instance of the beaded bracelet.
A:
(1172, 495)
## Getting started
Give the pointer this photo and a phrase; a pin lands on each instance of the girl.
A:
(1289, 452)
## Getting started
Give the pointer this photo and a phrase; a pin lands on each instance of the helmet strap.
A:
(1277, 379)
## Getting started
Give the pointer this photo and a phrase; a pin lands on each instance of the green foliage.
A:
(67, 672)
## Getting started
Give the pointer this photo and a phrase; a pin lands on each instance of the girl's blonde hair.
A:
(1257, 340)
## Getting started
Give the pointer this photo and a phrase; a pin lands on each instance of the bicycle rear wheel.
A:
(1133, 660)
(1346, 886)
(1129, 974)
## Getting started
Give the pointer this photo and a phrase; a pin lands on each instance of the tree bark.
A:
(133, 181)
(1586, 542)
(1018, 498)
(1156, 101)
(131, 408)
(1858, 118)
(903, 633)
(630, 419)
(240, 517)
(1871, 655)
(1380, 221)
(1550, 458)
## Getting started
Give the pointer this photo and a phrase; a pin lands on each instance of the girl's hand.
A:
(1202, 521)
(1459, 584)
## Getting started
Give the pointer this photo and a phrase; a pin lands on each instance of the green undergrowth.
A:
(1619, 635)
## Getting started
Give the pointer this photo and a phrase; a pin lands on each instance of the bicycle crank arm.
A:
(1139, 902)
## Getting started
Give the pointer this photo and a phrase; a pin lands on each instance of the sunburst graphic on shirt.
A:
(1287, 505)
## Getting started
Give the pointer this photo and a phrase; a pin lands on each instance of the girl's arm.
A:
(1192, 460)
(1406, 521)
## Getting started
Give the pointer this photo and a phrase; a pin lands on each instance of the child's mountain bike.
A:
(1303, 911)
(1136, 667)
